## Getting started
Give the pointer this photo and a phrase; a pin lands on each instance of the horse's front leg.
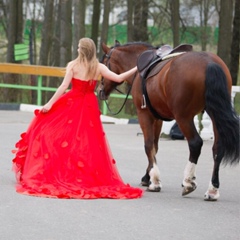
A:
(195, 145)
(151, 129)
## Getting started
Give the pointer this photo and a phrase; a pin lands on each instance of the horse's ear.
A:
(105, 48)
(117, 43)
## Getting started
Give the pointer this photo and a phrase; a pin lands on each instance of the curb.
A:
(31, 108)
(9, 106)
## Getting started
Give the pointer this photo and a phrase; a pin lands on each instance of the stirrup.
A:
(144, 105)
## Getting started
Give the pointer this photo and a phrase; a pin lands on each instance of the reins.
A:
(108, 56)
(125, 100)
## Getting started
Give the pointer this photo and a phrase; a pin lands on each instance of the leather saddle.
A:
(150, 58)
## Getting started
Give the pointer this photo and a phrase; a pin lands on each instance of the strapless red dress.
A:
(65, 154)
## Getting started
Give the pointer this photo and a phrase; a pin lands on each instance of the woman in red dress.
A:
(64, 152)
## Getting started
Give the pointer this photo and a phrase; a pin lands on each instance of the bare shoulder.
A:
(71, 64)
(102, 67)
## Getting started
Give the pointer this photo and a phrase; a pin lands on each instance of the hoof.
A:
(211, 196)
(145, 181)
(188, 189)
(156, 189)
(145, 184)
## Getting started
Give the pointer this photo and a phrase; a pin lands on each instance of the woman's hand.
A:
(46, 108)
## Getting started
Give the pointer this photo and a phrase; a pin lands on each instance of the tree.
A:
(225, 30)
(65, 32)
(47, 33)
(140, 32)
(205, 13)
(79, 23)
(105, 24)
(206, 9)
(95, 20)
(46, 44)
(235, 46)
(14, 35)
(175, 19)
(130, 20)
(55, 49)
(14, 27)
(3, 16)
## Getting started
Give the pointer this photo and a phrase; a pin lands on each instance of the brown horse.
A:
(186, 85)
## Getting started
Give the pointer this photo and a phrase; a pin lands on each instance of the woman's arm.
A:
(105, 72)
(59, 92)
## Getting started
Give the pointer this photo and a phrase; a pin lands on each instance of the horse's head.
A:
(110, 59)
(119, 58)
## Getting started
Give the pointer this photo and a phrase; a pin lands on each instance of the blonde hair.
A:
(88, 55)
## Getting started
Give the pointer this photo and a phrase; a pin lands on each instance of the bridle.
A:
(108, 56)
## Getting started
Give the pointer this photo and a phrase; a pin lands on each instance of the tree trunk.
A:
(46, 33)
(82, 19)
(55, 51)
(130, 21)
(144, 24)
(95, 20)
(225, 30)
(15, 27)
(14, 35)
(66, 32)
(235, 47)
(105, 24)
(46, 41)
(204, 34)
(140, 32)
(136, 21)
(175, 19)
(79, 24)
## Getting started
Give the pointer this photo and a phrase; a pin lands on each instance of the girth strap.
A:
(146, 101)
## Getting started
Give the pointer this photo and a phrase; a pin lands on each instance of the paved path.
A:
(157, 216)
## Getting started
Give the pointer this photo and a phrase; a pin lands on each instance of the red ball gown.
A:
(64, 153)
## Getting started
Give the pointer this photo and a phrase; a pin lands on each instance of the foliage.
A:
(237, 103)
(157, 36)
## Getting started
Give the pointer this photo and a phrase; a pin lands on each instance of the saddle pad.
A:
(161, 64)
(172, 55)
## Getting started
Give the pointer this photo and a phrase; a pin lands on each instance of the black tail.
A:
(220, 109)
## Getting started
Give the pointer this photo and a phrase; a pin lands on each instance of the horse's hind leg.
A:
(195, 145)
(212, 194)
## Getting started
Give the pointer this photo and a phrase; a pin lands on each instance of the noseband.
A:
(108, 56)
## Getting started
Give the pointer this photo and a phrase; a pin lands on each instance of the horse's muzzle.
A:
(101, 95)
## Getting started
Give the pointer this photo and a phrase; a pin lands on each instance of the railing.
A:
(39, 71)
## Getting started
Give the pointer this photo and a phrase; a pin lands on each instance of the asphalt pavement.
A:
(157, 216)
